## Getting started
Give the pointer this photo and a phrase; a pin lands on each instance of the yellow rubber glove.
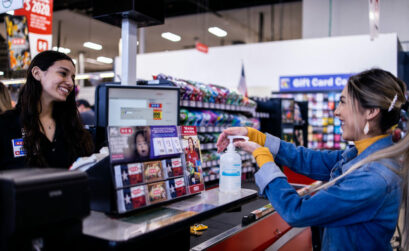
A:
(262, 155)
(256, 136)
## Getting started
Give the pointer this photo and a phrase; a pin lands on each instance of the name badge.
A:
(18, 148)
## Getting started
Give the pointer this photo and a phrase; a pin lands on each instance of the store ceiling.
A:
(73, 25)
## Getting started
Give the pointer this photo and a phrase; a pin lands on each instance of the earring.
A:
(366, 128)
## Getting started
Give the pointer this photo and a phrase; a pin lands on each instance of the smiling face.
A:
(351, 119)
(57, 81)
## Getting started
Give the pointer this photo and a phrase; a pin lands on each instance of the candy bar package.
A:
(192, 158)
(164, 141)
(153, 171)
(128, 174)
(129, 144)
(131, 198)
(173, 167)
(176, 187)
(157, 192)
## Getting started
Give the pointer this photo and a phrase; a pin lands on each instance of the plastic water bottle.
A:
(230, 168)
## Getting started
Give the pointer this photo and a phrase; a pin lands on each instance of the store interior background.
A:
(269, 38)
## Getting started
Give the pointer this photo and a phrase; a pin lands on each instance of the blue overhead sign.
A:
(334, 82)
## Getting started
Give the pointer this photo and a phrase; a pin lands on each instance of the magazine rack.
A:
(147, 166)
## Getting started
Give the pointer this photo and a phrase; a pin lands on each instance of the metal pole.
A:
(129, 40)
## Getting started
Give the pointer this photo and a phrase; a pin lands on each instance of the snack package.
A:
(176, 187)
(131, 198)
(157, 192)
(173, 167)
(128, 174)
(153, 171)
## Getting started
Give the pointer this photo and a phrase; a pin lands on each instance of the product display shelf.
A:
(217, 106)
(212, 109)
(204, 129)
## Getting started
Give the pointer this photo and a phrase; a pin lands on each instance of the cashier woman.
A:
(44, 129)
(359, 206)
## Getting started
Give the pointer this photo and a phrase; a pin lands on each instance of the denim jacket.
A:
(359, 212)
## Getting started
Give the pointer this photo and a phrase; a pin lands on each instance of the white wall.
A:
(265, 62)
(351, 17)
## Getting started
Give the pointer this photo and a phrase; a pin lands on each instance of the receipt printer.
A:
(42, 208)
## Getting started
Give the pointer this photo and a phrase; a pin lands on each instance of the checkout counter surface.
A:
(170, 217)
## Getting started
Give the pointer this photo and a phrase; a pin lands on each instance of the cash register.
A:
(42, 209)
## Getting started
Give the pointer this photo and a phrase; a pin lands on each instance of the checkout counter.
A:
(167, 227)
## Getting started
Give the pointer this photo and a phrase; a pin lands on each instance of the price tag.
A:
(185, 102)
(211, 105)
(192, 103)
(218, 106)
(212, 177)
(206, 105)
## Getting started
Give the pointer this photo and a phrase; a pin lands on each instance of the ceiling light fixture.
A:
(170, 36)
(217, 31)
(107, 75)
(1, 73)
(93, 61)
(93, 46)
(62, 49)
(105, 60)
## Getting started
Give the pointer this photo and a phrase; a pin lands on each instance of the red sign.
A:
(125, 130)
(39, 14)
(202, 47)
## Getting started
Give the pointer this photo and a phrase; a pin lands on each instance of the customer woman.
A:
(5, 100)
(44, 130)
(359, 207)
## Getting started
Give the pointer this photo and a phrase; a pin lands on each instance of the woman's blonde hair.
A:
(377, 88)
(5, 100)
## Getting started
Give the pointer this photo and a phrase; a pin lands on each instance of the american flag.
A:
(242, 88)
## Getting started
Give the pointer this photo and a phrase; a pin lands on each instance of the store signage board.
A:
(9, 5)
(333, 82)
(202, 47)
(39, 15)
(18, 44)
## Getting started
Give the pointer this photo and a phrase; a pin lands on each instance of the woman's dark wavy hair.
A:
(78, 141)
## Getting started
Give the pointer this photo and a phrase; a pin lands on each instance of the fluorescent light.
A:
(10, 12)
(170, 36)
(1, 73)
(62, 49)
(107, 75)
(14, 81)
(93, 46)
(105, 60)
(93, 61)
(83, 76)
(217, 31)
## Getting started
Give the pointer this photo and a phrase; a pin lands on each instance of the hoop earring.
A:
(366, 128)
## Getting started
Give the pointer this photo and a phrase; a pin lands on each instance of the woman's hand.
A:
(247, 146)
(223, 141)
